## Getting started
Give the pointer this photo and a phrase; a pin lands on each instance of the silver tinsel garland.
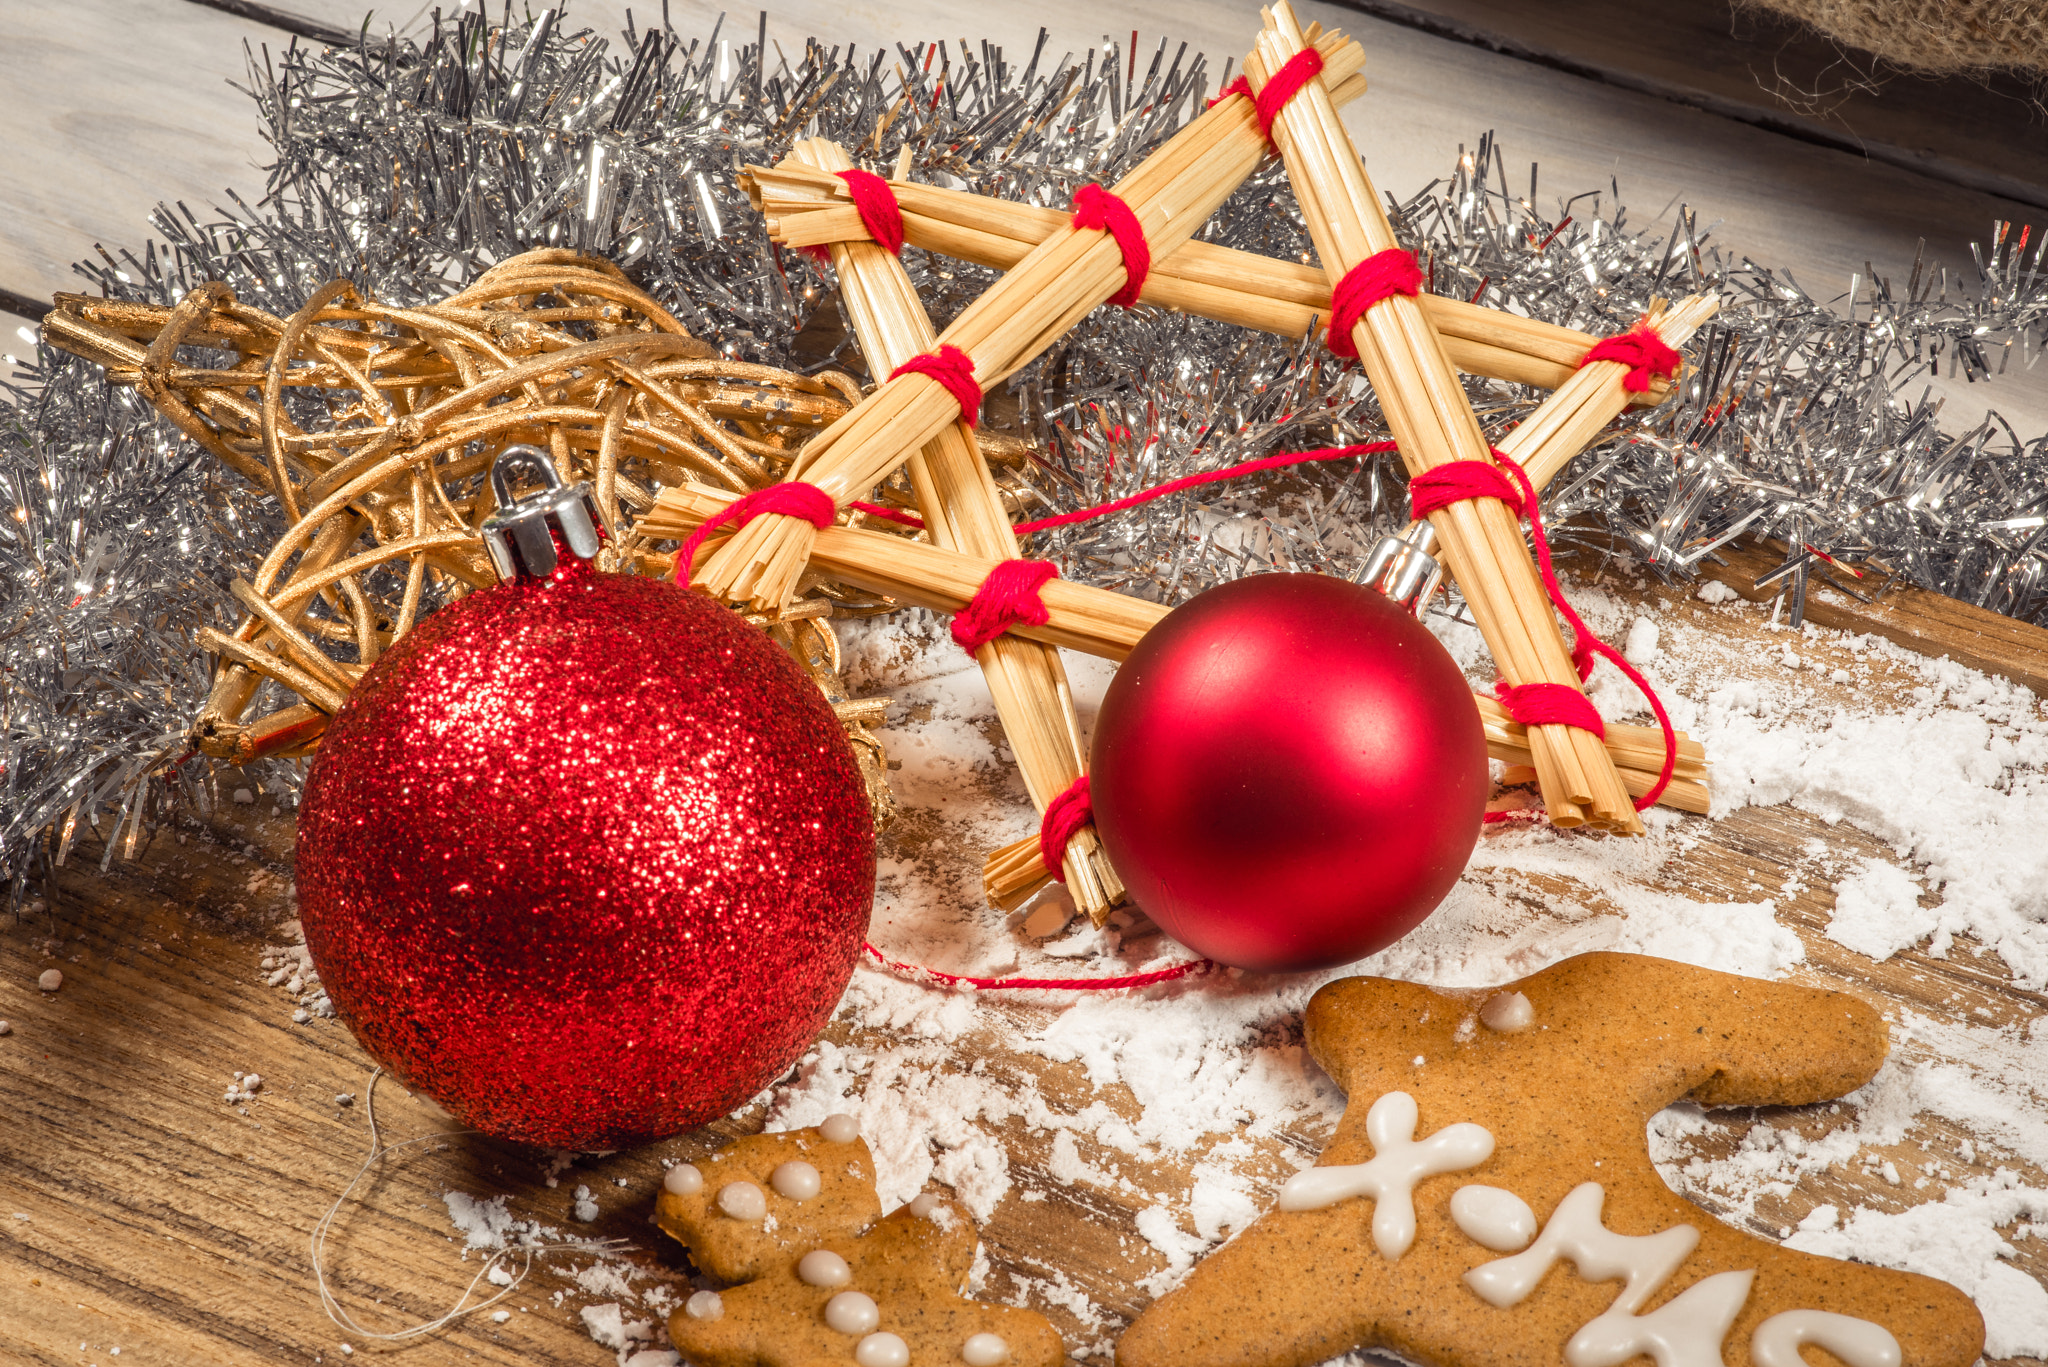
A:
(410, 167)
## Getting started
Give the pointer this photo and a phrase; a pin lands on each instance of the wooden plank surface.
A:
(139, 1210)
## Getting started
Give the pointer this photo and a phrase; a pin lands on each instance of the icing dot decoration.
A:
(839, 1129)
(796, 1179)
(1494, 1218)
(684, 1179)
(1507, 1012)
(743, 1201)
(850, 1312)
(924, 1204)
(984, 1350)
(822, 1267)
(882, 1350)
(705, 1305)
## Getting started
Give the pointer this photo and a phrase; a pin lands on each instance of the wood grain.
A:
(173, 1225)
(1917, 619)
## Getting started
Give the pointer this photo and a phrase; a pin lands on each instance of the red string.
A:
(1642, 351)
(1097, 208)
(1064, 817)
(1008, 595)
(1164, 975)
(792, 499)
(1174, 486)
(876, 204)
(887, 514)
(1303, 67)
(954, 369)
(1380, 276)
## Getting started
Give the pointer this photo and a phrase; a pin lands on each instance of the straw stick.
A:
(1102, 623)
(1172, 193)
(1433, 422)
(1200, 278)
(964, 512)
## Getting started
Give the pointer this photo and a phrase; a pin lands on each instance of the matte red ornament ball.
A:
(1288, 772)
(586, 860)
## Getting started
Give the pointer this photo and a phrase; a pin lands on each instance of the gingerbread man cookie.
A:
(1489, 1200)
(824, 1278)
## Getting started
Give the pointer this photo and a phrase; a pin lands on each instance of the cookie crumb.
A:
(52, 979)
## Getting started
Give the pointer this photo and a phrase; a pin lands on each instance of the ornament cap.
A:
(1402, 567)
(521, 535)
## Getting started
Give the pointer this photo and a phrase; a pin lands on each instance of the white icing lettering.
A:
(1494, 1218)
(1507, 1012)
(1399, 1162)
(797, 1180)
(1686, 1332)
(1856, 1342)
(839, 1129)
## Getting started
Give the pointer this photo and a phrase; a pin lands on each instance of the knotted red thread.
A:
(1642, 351)
(1064, 817)
(1097, 208)
(1008, 596)
(1303, 67)
(932, 975)
(954, 369)
(792, 499)
(876, 204)
(1379, 277)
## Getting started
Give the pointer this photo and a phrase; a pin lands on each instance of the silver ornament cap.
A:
(1402, 567)
(520, 535)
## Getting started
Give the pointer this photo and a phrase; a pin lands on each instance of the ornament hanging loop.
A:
(521, 535)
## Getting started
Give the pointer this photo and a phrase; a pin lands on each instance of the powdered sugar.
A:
(1192, 1101)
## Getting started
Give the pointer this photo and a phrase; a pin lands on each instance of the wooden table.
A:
(140, 1211)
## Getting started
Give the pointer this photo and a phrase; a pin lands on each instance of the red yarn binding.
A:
(792, 499)
(1549, 704)
(954, 369)
(1095, 207)
(1303, 67)
(1380, 276)
(932, 975)
(876, 204)
(1064, 817)
(1454, 482)
(1298, 71)
(1642, 351)
(1008, 596)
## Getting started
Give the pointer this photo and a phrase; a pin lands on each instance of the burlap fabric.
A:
(1934, 35)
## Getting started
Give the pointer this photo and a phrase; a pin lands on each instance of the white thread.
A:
(525, 1253)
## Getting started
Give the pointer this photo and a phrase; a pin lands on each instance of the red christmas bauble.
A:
(586, 860)
(1288, 772)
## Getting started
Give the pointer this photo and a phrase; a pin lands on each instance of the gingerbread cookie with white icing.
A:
(770, 1196)
(825, 1278)
(1489, 1200)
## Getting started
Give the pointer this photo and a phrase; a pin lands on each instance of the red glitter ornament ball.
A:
(1288, 772)
(585, 859)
